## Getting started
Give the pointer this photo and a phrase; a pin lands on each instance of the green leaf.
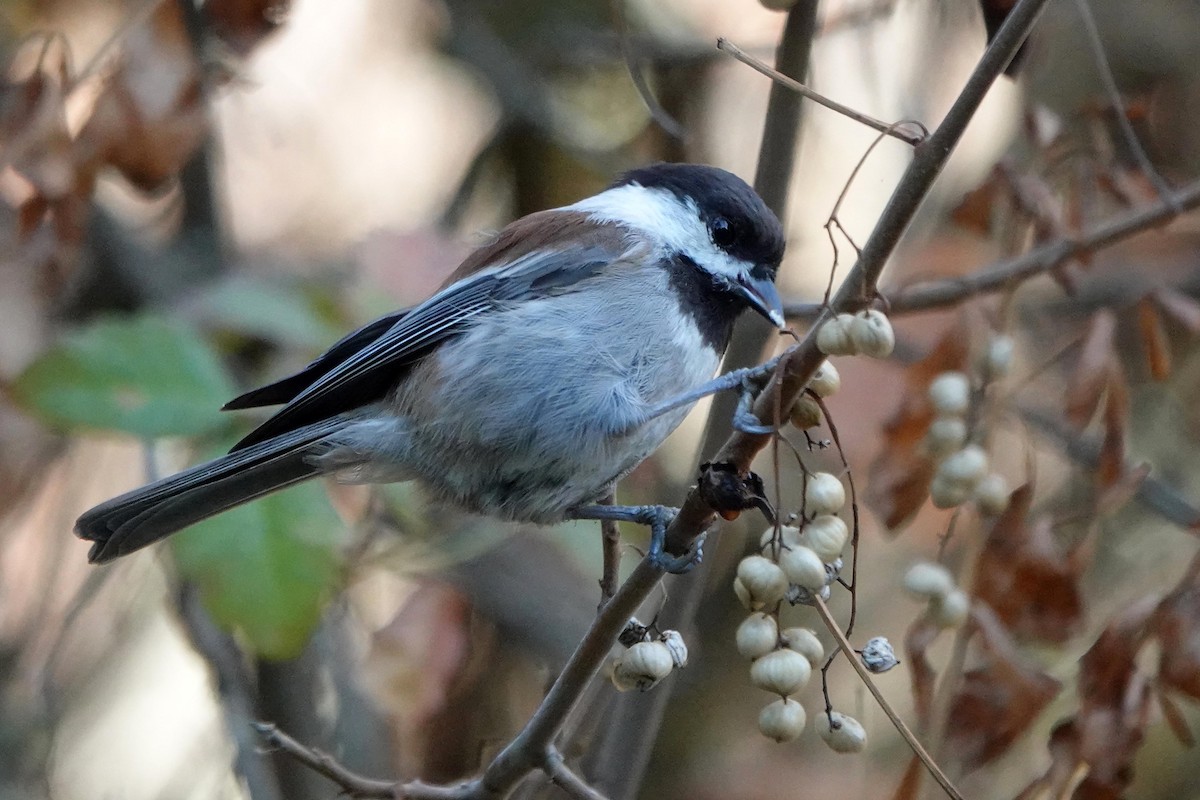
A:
(267, 569)
(142, 375)
(273, 310)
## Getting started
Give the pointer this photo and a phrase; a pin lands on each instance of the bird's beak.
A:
(763, 297)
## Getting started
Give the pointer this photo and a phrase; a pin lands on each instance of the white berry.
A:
(782, 720)
(872, 334)
(643, 665)
(757, 635)
(763, 580)
(950, 394)
(826, 381)
(927, 580)
(826, 535)
(991, 495)
(824, 494)
(781, 672)
(843, 734)
(804, 642)
(803, 567)
(833, 337)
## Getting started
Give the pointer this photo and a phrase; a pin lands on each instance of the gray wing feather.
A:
(369, 373)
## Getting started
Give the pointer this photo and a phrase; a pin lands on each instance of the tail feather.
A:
(143, 516)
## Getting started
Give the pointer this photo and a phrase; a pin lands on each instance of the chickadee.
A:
(551, 363)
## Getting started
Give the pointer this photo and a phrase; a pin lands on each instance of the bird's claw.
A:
(744, 418)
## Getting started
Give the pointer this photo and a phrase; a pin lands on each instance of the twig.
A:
(566, 779)
(669, 124)
(235, 690)
(796, 86)
(1118, 103)
(901, 727)
(1158, 496)
(353, 784)
(1006, 274)
(610, 538)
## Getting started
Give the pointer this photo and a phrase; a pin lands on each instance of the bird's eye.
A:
(722, 231)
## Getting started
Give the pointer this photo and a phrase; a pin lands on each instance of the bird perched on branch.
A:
(553, 361)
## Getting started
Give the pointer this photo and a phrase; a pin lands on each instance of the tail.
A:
(141, 517)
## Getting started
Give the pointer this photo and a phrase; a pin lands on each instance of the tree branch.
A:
(355, 785)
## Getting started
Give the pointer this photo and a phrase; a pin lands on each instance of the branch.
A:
(902, 728)
(1007, 274)
(355, 785)
(567, 780)
(894, 131)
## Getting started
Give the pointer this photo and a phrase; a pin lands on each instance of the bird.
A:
(555, 359)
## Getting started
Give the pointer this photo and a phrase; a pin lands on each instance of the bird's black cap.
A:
(756, 234)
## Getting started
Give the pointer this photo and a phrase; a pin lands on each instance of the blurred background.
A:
(198, 199)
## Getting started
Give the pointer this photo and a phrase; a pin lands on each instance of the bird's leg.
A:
(658, 518)
(746, 379)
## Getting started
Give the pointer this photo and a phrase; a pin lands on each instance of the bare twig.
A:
(633, 64)
(1009, 273)
(352, 784)
(566, 779)
(1156, 495)
(895, 131)
(901, 727)
(1118, 103)
(610, 538)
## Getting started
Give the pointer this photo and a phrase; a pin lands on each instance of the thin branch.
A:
(1117, 102)
(1007, 274)
(610, 541)
(566, 779)
(352, 784)
(633, 64)
(1156, 495)
(895, 131)
(901, 727)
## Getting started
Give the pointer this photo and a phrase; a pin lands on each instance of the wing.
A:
(363, 367)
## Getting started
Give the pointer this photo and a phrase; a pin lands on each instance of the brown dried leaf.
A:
(974, 212)
(1114, 704)
(1111, 464)
(1154, 339)
(1113, 498)
(1091, 375)
(910, 784)
(1175, 719)
(998, 701)
(1177, 624)
(150, 118)
(921, 634)
(1064, 764)
(1179, 307)
(416, 658)
(242, 24)
(1026, 578)
(899, 479)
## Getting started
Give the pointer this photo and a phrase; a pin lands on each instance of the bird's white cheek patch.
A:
(661, 215)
